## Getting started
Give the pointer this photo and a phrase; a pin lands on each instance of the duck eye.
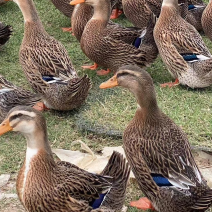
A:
(122, 74)
(16, 116)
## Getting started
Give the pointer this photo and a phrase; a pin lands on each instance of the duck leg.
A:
(115, 13)
(40, 106)
(103, 72)
(143, 203)
(92, 67)
(170, 84)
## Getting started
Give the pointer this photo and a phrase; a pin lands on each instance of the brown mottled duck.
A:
(47, 65)
(159, 152)
(83, 13)
(44, 185)
(182, 48)
(105, 48)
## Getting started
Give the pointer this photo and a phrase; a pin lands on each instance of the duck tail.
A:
(78, 89)
(119, 169)
(204, 202)
(5, 33)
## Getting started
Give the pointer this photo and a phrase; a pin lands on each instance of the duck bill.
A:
(112, 82)
(5, 127)
(75, 2)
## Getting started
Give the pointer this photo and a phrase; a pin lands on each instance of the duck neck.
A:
(173, 4)
(102, 11)
(38, 140)
(148, 110)
(28, 10)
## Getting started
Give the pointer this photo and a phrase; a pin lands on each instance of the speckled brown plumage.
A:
(5, 32)
(12, 96)
(64, 7)
(192, 16)
(43, 185)
(137, 12)
(108, 48)
(153, 143)
(207, 20)
(42, 55)
(83, 13)
(174, 37)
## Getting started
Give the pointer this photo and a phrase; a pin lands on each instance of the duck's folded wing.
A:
(190, 40)
(81, 184)
(50, 58)
(171, 157)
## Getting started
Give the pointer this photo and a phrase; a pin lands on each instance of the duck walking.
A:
(159, 152)
(182, 49)
(44, 185)
(47, 65)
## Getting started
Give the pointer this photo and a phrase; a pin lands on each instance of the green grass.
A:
(105, 111)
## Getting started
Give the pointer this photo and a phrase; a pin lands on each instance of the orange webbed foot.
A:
(170, 84)
(40, 106)
(103, 72)
(91, 67)
(143, 203)
(115, 13)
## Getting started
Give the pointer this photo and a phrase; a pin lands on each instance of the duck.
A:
(83, 13)
(64, 7)
(105, 48)
(47, 66)
(158, 151)
(5, 33)
(44, 185)
(182, 49)
(207, 20)
(137, 12)
(12, 95)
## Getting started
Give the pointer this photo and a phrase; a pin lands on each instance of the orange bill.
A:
(112, 82)
(5, 127)
(75, 2)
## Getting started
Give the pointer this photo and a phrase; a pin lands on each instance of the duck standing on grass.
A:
(83, 13)
(159, 152)
(43, 185)
(47, 65)
(182, 49)
(108, 48)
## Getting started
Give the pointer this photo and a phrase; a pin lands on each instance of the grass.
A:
(105, 111)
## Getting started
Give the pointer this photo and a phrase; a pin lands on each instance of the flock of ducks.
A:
(157, 150)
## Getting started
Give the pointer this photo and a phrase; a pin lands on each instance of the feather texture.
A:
(159, 152)
(41, 55)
